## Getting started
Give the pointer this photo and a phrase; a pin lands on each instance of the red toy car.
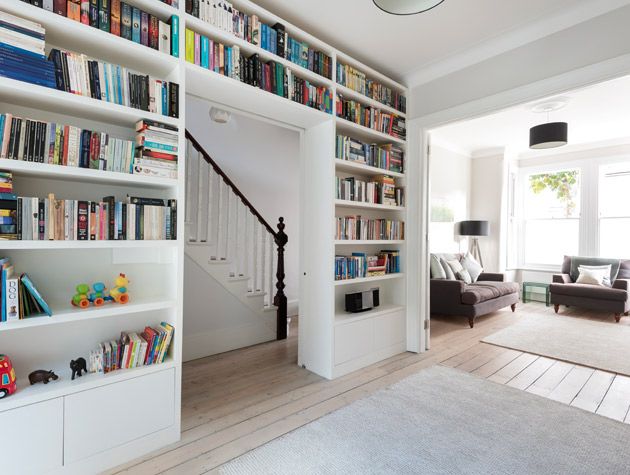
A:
(7, 377)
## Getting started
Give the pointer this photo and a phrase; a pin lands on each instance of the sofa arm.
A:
(443, 290)
(561, 279)
(623, 284)
(491, 277)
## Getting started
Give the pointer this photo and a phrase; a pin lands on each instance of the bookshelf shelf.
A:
(377, 278)
(214, 87)
(349, 166)
(66, 33)
(53, 100)
(211, 31)
(365, 133)
(75, 315)
(358, 204)
(352, 94)
(344, 317)
(52, 245)
(363, 242)
(84, 175)
(64, 386)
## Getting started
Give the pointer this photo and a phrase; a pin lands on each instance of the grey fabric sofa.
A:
(488, 294)
(615, 299)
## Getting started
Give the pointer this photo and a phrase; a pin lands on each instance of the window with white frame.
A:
(550, 225)
(614, 210)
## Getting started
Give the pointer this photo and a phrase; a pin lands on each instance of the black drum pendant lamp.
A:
(550, 134)
(406, 7)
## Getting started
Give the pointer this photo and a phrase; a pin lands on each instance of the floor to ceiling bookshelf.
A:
(74, 426)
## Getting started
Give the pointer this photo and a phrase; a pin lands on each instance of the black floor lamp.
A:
(474, 229)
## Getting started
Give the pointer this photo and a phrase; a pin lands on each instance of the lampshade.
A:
(473, 228)
(549, 135)
(406, 7)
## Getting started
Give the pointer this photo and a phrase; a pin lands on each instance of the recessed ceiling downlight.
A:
(406, 7)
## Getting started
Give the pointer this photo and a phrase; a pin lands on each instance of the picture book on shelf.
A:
(19, 298)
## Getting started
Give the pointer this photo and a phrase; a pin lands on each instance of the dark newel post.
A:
(280, 300)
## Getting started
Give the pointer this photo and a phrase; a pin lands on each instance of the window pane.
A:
(613, 238)
(548, 241)
(553, 195)
(613, 191)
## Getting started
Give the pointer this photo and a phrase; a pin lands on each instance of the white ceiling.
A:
(594, 114)
(403, 45)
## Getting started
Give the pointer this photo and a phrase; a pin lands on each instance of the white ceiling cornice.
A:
(512, 39)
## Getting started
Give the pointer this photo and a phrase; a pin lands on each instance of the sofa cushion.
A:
(472, 266)
(447, 270)
(577, 261)
(437, 271)
(484, 291)
(589, 292)
(624, 269)
(459, 271)
(594, 275)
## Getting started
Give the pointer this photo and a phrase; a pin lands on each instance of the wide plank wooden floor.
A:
(237, 401)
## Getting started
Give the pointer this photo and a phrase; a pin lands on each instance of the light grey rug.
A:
(444, 421)
(601, 345)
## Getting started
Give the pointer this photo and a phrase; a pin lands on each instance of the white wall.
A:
(450, 179)
(487, 177)
(263, 161)
(600, 39)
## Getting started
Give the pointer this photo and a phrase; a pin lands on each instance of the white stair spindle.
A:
(203, 200)
(214, 224)
(220, 220)
(212, 197)
(270, 281)
(192, 192)
(263, 258)
(240, 239)
(250, 251)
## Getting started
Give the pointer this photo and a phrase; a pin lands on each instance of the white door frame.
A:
(420, 127)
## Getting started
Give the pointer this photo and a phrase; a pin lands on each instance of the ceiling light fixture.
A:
(550, 134)
(406, 7)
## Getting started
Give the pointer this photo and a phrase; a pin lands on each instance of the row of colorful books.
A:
(274, 39)
(358, 81)
(350, 228)
(360, 264)
(78, 74)
(19, 298)
(381, 190)
(41, 219)
(157, 149)
(371, 117)
(387, 157)
(270, 76)
(120, 19)
(22, 51)
(132, 349)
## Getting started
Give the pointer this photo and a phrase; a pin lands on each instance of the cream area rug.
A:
(600, 345)
(444, 421)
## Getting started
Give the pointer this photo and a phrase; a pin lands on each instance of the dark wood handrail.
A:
(230, 183)
(280, 239)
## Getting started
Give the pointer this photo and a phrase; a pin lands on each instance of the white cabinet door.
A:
(353, 340)
(389, 330)
(110, 416)
(32, 439)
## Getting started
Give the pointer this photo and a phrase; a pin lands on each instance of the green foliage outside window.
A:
(563, 184)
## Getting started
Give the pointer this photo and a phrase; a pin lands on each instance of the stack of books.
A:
(382, 190)
(358, 81)
(359, 228)
(22, 55)
(19, 298)
(157, 149)
(41, 219)
(351, 267)
(392, 261)
(132, 349)
(120, 19)
(274, 39)
(8, 207)
(270, 76)
(78, 74)
(371, 117)
(57, 144)
(388, 157)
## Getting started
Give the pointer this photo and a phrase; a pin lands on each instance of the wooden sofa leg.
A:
(513, 307)
(471, 322)
(556, 307)
(617, 317)
(627, 314)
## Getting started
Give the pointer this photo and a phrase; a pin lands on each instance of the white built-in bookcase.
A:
(99, 421)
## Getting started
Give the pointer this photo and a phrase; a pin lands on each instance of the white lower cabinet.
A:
(32, 439)
(110, 416)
